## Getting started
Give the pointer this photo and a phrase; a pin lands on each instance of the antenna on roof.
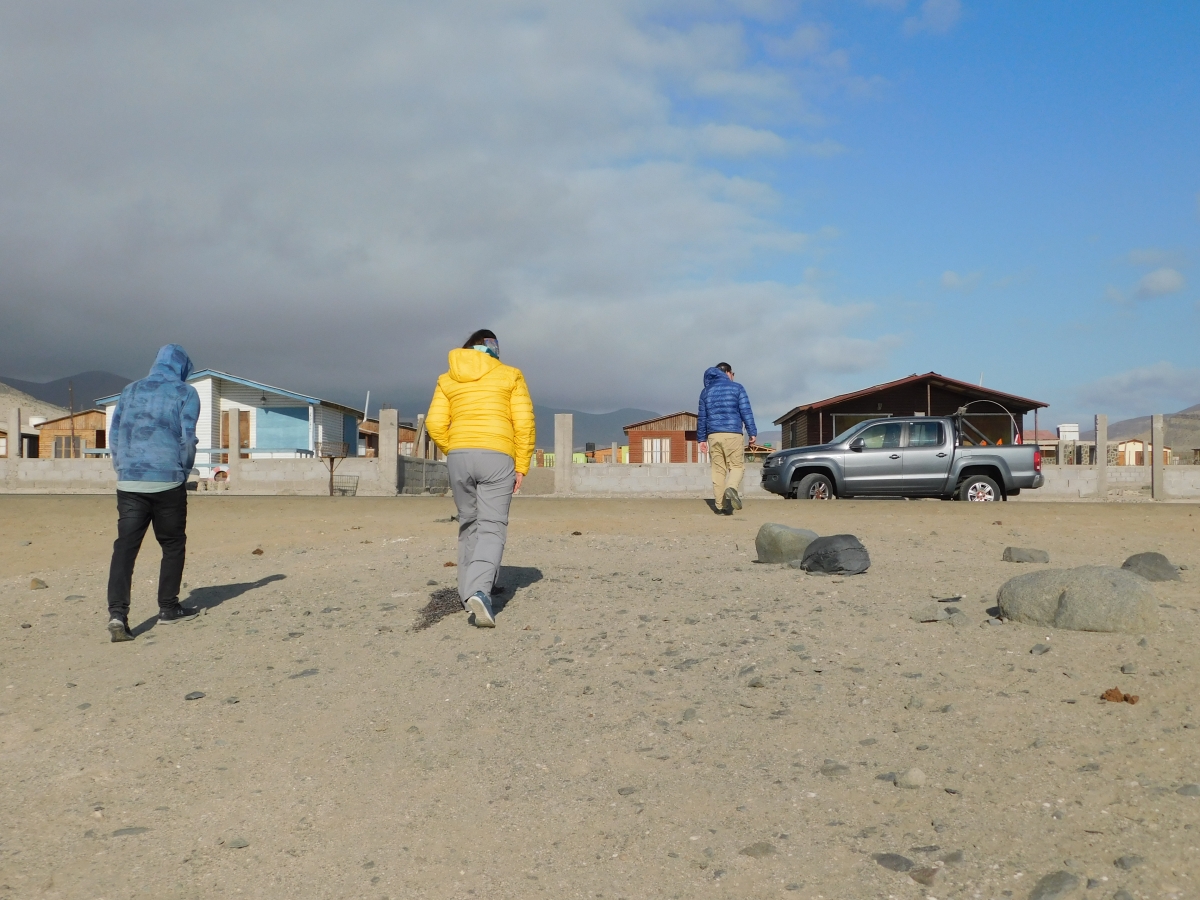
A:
(367, 406)
(981, 379)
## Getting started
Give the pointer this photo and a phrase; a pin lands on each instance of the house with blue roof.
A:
(272, 423)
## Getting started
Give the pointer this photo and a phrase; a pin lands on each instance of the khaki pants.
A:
(725, 451)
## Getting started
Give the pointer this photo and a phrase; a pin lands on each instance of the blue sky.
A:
(826, 194)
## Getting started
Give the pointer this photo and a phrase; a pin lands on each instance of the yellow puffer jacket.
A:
(482, 404)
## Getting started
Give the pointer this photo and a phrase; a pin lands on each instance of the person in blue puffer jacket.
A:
(152, 438)
(724, 411)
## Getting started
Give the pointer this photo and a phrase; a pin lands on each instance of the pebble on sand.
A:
(257, 551)
(1025, 555)
(1055, 886)
(237, 843)
(1128, 862)
(758, 850)
(893, 861)
(912, 778)
(194, 695)
(1039, 649)
(1189, 790)
(36, 584)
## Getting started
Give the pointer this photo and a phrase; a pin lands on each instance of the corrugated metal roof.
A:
(258, 386)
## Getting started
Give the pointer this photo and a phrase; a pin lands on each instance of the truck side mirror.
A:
(857, 445)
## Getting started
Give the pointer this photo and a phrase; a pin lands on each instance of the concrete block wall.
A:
(680, 479)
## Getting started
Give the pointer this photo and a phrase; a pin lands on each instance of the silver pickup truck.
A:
(904, 457)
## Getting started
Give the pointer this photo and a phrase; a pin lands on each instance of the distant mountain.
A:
(89, 386)
(10, 398)
(600, 429)
(1132, 428)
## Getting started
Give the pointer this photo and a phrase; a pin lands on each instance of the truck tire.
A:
(815, 487)
(979, 489)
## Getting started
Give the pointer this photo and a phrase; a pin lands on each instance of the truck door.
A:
(927, 458)
(878, 467)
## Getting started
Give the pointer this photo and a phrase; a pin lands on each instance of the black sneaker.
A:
(119, 629)
(177, 613)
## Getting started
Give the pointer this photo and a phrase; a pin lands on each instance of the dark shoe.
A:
(119, 629)
(732, 498)
(177, 613)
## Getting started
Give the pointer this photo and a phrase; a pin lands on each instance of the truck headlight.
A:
(772, 461)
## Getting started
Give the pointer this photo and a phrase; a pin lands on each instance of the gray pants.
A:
(482, 481)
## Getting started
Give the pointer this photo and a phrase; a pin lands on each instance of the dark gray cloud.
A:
(329, 197)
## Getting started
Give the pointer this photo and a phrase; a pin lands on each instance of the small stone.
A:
(84, 706)
(1122, 894)
(758, 850)
(122, 832)
(36, 584)
(1039, 649)
(1189, 790)
(911, 778)
(893, 861)
(867, 742)
(930, 612)
(626, 791)
(24, 543)
(194, 695)
(237, 843)
(257, 551)
(1024, 555)
(914, 702)
(26, 625)
(953, 858)
(431, 583)
(755, 683)
(923, 876)
(307, 673)
(1128, 862)
(959, 619)
(1152, 567)
(833, 768)
(889, 777)
(1055, 886)
(1129, 669)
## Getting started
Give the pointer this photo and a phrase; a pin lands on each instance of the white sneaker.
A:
(479, 610)
(732, 498)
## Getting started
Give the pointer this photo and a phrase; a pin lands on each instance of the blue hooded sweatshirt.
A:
(724, 407)
(153, 433)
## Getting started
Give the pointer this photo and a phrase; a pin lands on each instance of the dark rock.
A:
(838, 554)
(26, 625)
(1152, 567)
(1128, 862)
(122, 832)
(1129, 669)
(626, 791)
(194, 695)
(305, 674)
(1055, 886)
(893, 861)
(1189, 790)
(781, 543)
(887, 776)
(1089, 598)
(1025, 555)
(953, 858)
(1122, 894)
(1039, 649)
(758, 850)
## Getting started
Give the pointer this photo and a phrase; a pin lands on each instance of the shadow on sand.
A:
(445, 602)
(212, 596)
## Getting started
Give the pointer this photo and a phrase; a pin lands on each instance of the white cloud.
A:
(1159, 388)
(1147, 256)
(328, 199)
(934, 17)
(952, 281)
(1160, 283)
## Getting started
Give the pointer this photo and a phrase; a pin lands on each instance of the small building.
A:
(273, 423)
(368, 438)
(992, 416)
(71, 436)
(665, 439)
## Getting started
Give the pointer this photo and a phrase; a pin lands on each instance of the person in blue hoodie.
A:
(152, 438)
(724, 411)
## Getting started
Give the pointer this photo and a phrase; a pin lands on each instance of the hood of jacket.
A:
(471, 365)
(713, 375)
(172, 364)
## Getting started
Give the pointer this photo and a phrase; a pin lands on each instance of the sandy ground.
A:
(656, 715)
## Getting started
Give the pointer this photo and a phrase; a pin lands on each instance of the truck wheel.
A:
(979, 489)
(815, 487)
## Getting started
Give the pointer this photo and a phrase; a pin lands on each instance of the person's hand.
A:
(517, 486)
(704, 446)
(753, 443)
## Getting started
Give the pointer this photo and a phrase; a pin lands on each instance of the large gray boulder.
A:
(1025, 555)
(781, 544)
(1152, 567)
(838, 554)
(1089, 598)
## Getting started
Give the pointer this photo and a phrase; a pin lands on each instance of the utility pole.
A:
(71, 410)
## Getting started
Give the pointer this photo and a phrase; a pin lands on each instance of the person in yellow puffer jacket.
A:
(481, 417)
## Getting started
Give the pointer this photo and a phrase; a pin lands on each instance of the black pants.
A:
(167, 511)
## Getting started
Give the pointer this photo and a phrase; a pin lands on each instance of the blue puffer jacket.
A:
(153, 434)
(724, 407)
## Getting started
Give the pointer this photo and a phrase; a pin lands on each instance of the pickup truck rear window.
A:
(925, 434)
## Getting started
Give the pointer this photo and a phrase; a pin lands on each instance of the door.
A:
(878, 467)
(243, 433)
(927, 458)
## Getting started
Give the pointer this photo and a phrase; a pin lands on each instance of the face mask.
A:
(490, 346)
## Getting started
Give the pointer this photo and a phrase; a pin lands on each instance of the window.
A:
(882, 437)
(925, 434)
(656, 450)
(66, 447)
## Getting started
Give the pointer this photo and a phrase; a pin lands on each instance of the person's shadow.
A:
(212, 596)
(510, 580)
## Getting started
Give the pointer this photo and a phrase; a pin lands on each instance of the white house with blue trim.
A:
(282, 424)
